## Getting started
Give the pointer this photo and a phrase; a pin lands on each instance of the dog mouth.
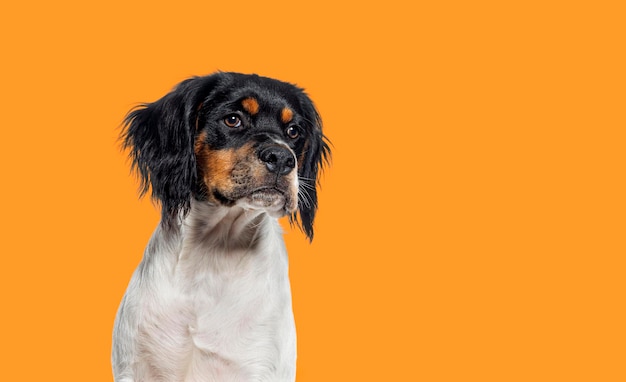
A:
(270, 198)
(273, 200)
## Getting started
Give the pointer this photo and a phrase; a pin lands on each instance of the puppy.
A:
(225, 156)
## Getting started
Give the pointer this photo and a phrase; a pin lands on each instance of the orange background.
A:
(471, 224)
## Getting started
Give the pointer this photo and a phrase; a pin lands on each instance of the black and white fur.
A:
(225, 155)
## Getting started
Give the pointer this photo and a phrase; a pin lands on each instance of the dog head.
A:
(230, 139)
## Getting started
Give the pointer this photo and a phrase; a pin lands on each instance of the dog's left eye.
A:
(233, 121)
(293, 132)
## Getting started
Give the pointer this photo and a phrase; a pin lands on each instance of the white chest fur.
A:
(210, 302)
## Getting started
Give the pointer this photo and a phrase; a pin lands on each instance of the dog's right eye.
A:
(233, 121)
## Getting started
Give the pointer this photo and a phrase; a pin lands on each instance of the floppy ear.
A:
(160, 138)
(317, 155)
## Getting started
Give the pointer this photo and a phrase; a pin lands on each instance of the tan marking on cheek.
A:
(201, 150)
(200, 142)
(286, 115)
(228, 170)
(218, 166)
(250, 105)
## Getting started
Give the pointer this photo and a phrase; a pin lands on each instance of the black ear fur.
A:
(316, 156)
(160, 138)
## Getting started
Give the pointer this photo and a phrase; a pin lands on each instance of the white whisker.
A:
(304, 196)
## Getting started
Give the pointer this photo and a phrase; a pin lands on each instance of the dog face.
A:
(230, 139)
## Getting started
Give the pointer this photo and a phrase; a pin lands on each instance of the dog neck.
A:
(224, 228)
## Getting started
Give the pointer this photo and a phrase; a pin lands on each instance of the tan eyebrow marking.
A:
(250, 105)
(286, 115)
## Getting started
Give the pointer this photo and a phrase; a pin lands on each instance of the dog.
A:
(225, 156)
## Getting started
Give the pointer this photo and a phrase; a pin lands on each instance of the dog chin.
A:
(274, 202)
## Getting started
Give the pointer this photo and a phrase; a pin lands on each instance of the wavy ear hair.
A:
(160, 137)
(316, 156)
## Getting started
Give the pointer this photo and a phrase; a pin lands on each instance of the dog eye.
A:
(293, 132)
(233, 121)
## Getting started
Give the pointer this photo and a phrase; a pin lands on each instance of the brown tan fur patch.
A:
(228, 170)
(219, 164)
(200, 142)
(250, 105)
(286, 115)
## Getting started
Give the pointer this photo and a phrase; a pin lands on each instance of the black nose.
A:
(278, 160)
